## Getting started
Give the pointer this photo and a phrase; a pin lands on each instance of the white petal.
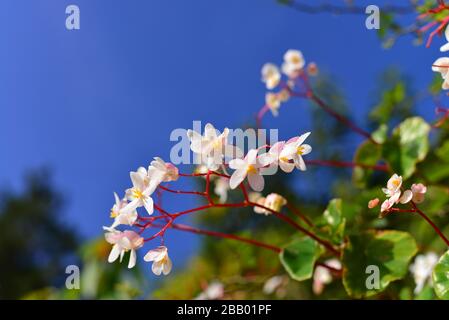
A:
(256, 182)
(406, 197)
(132, 259)
(445, 47)
(300, 164)
(167, 266)
(137, 180)
(149, 205)
(130, 207)
(267, 159)
(157, 267)
(302, 138)
(306, 149)
(237, 177)
(115, 252)
(155, 254)
(210, 132)
(251, 156)
(237, 164)
(286, 166)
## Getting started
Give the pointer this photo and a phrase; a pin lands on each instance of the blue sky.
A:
(95, 103)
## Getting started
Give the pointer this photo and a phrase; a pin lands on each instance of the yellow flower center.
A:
(284, 159)
(251, 169)
(296, 59)
(114, 214)
(216, 144)
(396, 183)
(137, 194)
(300, 150)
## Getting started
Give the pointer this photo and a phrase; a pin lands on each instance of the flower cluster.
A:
(395, 195)
(124, 212)
(213, 150)
(292, 68)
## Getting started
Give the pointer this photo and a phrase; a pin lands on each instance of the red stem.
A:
(225, 236)
(438, 231)
(340, 118)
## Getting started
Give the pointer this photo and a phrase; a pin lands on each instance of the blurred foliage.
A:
(35, 242)
(405, 145)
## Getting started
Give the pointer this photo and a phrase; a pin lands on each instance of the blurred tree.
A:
(35, 244)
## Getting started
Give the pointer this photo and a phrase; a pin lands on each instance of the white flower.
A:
(273, 102)
(212, 148)
(214, 291)
(162, 171)
(393, 185)
(323, 276)
(422, 269)
(122, 218)
(161, 260)
(221, 189)
(273, 201)
(272, 284)
(270, 75)
(139, 194)
(293, 62)
(441, 65)
(419, 190)
(445, 47)
(273, 156)
(122, 242)
(294, 149)
(247, 167)
(390, 202)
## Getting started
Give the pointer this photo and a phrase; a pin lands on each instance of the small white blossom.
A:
(272, 284)
(322, 276)
(422, 269)
(212, 148)
(293, 63)
(214, 291)
(273, 102)
(273, 201)
(221, 189)
(273, 156)
(123, 242)
(393, 185)
(270, 75)
(119, 217)
(162, 171)
(161, 260)
(294, 149)
(247, 167)
(139, 194)
(441, 65)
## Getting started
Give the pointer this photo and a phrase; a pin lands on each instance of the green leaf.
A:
(332, 224)
(408, 146)
(299, 258)
(367, 154)
(390, 251)
(440, 277)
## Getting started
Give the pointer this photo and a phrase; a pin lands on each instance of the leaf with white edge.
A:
(408, 146)
(299, 258)
(333, 221)
(440, 277)
(389, 251)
